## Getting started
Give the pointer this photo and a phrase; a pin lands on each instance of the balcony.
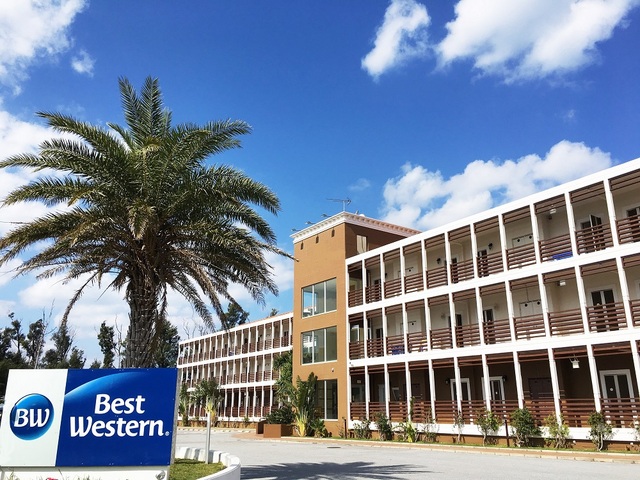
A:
(436, 277)
(441, 338)
(398, 411)
(567, 322)
(607, 317)
(377, 407)
(497, 331)
(392, 288)
(421, 411)
(635, 312)
(594, 238)
(355, 298)
(529, 326)
(413, 283)
(503, 408)
(490, 264)
(521, 256)
(629, 229)
(395, 345)
(470, 408)
(461, 271)
(556, 248)
(576, 411)
(373, 293)
(417, 342)
(467, 335)
(356, 350)
(540, 409)
(375, 347)
(358, 410)
(446, 410)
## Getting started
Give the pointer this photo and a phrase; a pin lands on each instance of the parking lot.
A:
(290, 459)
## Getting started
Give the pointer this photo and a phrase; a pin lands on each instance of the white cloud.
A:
(83, 63)
(423, 199)
(360, 185)
(402, 36)
(30, 30)
(530, 38)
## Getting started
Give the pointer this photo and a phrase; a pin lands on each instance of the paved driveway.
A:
(341, 460)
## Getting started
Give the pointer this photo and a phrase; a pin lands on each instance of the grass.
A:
(187, 469)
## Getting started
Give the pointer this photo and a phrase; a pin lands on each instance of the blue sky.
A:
(418, 112)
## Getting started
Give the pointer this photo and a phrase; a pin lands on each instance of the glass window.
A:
(319, 345)
(327, 399)
(319, 298)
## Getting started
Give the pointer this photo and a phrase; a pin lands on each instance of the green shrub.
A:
(523, 427)
(557, 431)
(430, 429)
(362, 429)
(600, 431)
(283, 415)
(407, 431)
(458, 425)
(318, 428)
(487, 423)
(384, 427)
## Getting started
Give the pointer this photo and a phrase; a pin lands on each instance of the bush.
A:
(600, 431)
(384, 427)
(362, 429)
(407, 431)
(487, 423)
(557, 431)
(430, 429)
(523, 427)
(458, 425)
(318, 428)
(283, 415)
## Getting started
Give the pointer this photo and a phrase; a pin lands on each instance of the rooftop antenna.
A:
(345, 202)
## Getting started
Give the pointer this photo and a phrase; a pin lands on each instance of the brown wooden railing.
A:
(421, 411)
(377, 407)
(393, 288)
(395, 345)
(497, 331)
(556, 248)
(436, 277)
(521, 256)
(470, 409)
(540, 409)
(445, 410)
(417, 342)
(441, 338)
(503, 408)
(356, 349)
(621, 412)
(413, 283)
(529, 326)
(461, 271)
(629, 229)
(594, 238)
(375, 347)
(355, 297)
(607, 317)
(373, 293)
(635, 312)
(566, 322)
(490, 264)
(358, 410)
(467, 335)
(576, 411)
(398, 411)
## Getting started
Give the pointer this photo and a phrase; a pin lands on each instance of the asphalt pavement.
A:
(335, 459)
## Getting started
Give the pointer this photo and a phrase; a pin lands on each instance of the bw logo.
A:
(31, 416)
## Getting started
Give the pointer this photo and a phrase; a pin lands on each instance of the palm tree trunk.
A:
(142, 297)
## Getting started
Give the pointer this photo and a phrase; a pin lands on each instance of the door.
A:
(489, 328)
(591, 235)
(633, 214)
(464, 386)
(483, 263)
(617, 390)
(605, 317)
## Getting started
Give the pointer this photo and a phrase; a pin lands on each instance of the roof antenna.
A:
(345, 202)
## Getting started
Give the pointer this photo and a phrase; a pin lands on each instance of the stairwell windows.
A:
(319, 298)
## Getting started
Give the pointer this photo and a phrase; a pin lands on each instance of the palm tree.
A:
(145, 214)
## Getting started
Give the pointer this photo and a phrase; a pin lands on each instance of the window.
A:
(319, 346)
(319, 298)
(327, 399)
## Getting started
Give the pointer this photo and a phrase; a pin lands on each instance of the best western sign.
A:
(63, 418)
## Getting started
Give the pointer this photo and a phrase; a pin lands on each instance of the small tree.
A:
(487, 423)
(184, 402)
(384, 426)
(208, 396)
(557, 431)
(600, 431)
(523, 426)
(304, 403)
(458, 425)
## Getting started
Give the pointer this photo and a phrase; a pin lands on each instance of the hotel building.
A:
(534, 304)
